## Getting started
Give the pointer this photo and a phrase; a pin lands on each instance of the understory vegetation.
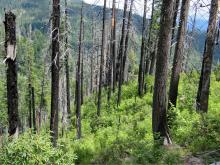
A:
(123, 135)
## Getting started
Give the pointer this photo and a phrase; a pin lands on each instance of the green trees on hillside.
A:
(86, 91)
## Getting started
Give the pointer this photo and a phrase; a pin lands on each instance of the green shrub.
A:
(35, 149)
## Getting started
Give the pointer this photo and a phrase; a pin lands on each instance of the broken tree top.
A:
(10, 35)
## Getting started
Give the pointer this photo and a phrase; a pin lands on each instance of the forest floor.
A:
(123, 134)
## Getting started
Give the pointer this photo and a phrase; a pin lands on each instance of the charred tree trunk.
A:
(29, 105)
(33, 109)
(109, 74)
(42, 98)
(67, 64)
(178, 56)
(127, 40)
(159, 113)
(102, 60)
(121, 54)
(204, 83)
(175, 14)
(55, 72)
(122, 42)
(149, 43)
(153, 60)
(12, 91)
(113, 44)
(143, 45)
(82, 63)
(92, 57)
(78, 80)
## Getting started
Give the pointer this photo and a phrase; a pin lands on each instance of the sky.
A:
(203, 12)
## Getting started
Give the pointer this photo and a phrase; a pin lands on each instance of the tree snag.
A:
(204, 83)
(55, 72)
(12, 91)
(179, 54)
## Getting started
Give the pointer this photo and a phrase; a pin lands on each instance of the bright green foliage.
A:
(123, 135)
(36, 149)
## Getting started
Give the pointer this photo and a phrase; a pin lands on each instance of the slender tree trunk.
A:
(204, 83)
(102, 60)
(33, 110)
(109, 75)
(175, 14)
(153, 60)
(114, 44)
(67, 64)
(97, 72)
(92, 57)
(30, 105)
(159, 113)
(127, 40)
(82, 64)
(78, 80)
(121, 53)
(143, 44)
(55, 72)
(149, 43)
(12, 91)
(122, 42)
(178, 56)
(192, 35)
(42, 99)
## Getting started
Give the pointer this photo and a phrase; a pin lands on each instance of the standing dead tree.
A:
(102, 60)
(143, 45)
(67, 62)
(179, 53)
(121, 54)
(204, 83)
(125, 57)
(55, 71)
(33, 110)
(149, 46)
(113, 44)
(78, 80)
(12, 91)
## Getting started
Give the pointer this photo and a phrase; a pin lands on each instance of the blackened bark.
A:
(33, 110)
(178, 56)
(143, 45)
(114, 44)
(67, 64)
(92, 56)
(204, 83)
(82, 63)
(55, 72)
(175, 14)
(78, 80)
(127, 39)
(159, 113)
(12, 91)
(122, 42)
(109, 74)
(121, 54)
(153, 60)
(102, 60)
(149, 43)
(42, 98)
(29, 106)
